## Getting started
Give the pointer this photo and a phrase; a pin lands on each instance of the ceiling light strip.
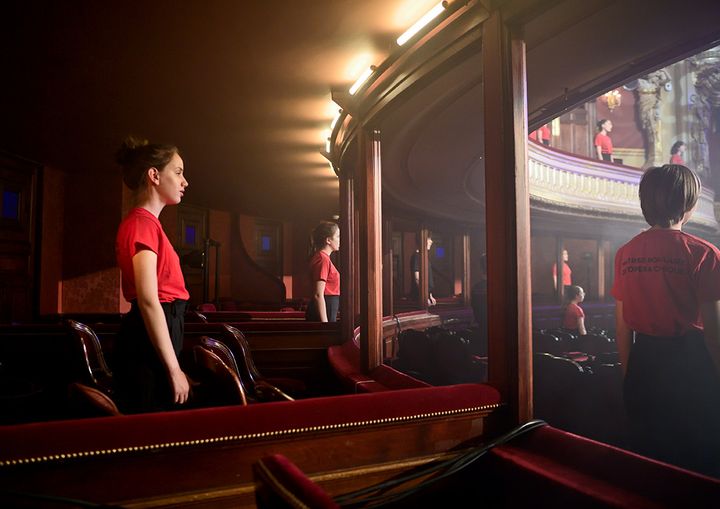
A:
(422, 22)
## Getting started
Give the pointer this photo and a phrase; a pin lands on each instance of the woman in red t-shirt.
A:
(603, 143)
(573, 315)
(676, 153)
(146, 372)
(325, 278)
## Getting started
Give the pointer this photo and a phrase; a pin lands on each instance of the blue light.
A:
(190, 235)
(439, 252)
(10, 204)
(265, 243)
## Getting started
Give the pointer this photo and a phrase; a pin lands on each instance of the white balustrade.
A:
(560, 180)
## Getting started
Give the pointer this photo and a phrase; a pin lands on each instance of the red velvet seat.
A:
(95, 371)
(282, 485)
(345, 362)
(220, 385)
(260, 391)
(250, 374)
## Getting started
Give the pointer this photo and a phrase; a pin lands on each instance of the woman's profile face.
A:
(334, 241)
(172, 182)
(607, 126)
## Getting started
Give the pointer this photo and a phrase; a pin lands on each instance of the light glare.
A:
(362, 79)
(419, 24)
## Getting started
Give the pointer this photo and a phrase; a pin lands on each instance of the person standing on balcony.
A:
(566, 272)
(603, 143)
(676, 153)
(325, 278)
(667, 313)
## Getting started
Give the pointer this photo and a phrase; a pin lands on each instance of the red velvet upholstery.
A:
(275, 418)
(281, 484)
(345, 362)
(566, 470)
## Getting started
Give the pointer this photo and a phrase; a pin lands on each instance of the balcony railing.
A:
(564, 181)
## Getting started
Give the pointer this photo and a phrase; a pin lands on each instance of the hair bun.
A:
(127, 151)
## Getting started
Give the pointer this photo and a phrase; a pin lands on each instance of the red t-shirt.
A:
(567, 273)
(545, 132)
(677, 159)
(572, 313)
(604, 142)
(142, 230)
(662, 276)
(322, 269)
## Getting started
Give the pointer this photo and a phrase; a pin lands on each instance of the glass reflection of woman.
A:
(676, 153)
(147, 375)
(325, 300)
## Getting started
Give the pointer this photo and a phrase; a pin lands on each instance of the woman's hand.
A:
(180, 386)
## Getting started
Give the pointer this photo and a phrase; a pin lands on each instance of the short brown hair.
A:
(667, 192)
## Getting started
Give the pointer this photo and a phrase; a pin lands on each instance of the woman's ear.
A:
(153, 175)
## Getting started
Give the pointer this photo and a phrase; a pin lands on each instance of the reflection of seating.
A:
(560, 390)
(261, 391)
(594, 344)
(563, 335)
(207, 307)
(546, 343)
(219, 384)
(95, 371)
(280, 484)
(89, 402)
(249, 373)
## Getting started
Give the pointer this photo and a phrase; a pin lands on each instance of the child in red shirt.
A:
(667, 291)
(573, 315)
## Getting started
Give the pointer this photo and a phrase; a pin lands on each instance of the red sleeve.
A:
(143, 234)
(320, 268)
(597, 140)
(707, 277)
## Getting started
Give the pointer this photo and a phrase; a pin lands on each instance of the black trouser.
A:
(332, 304)
(672, 397)
(140, 377)
(606, 157)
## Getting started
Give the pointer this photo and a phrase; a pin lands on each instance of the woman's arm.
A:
(146, 284)
(319, 297)
(599, 152)
(581, 325)
(710, 312)
(623, 336)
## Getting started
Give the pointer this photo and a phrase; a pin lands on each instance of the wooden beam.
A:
(424, 269)
(388, 269)
(370, 241)
(507, 216)
(466, 285)
(603, 255)
(347, 258)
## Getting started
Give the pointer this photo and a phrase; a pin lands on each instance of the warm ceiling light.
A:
(419, 24)
(362, 79)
